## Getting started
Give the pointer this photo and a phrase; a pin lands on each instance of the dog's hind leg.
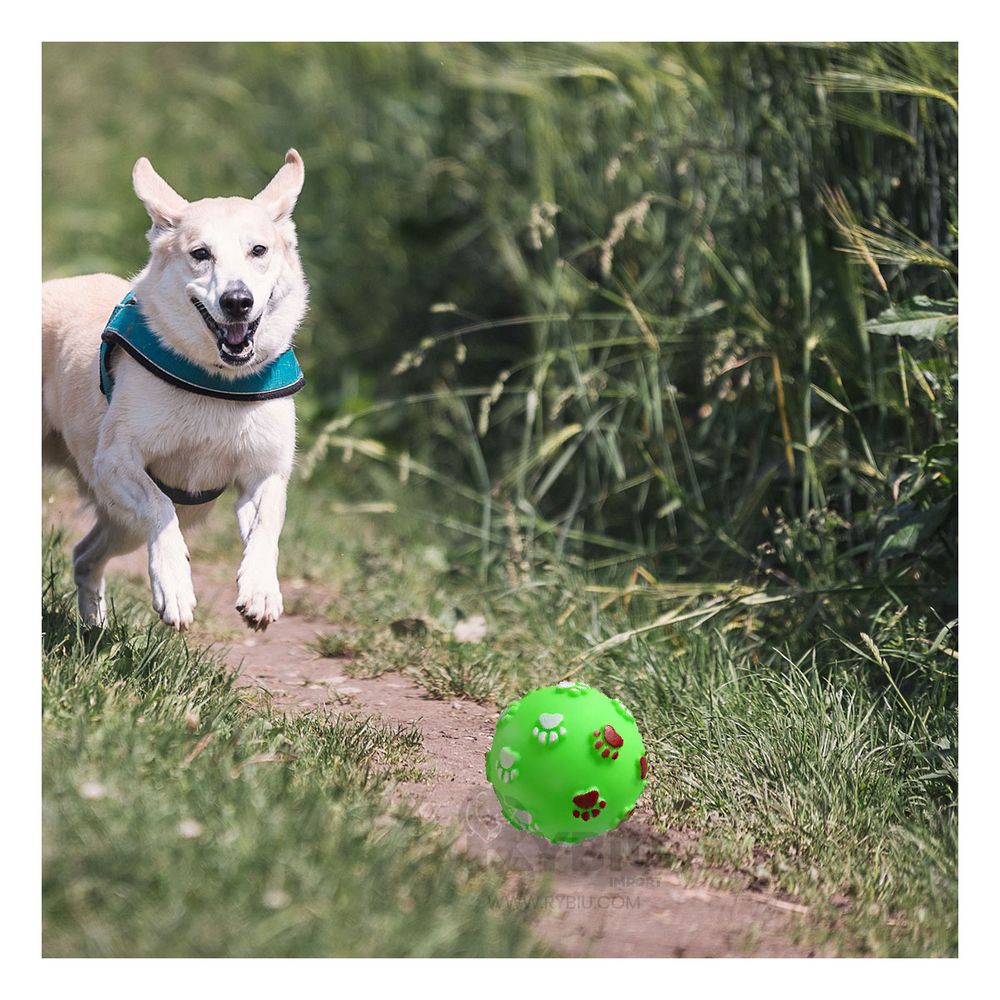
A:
(90, 557)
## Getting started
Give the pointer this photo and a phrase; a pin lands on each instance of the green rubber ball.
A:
(567, 762)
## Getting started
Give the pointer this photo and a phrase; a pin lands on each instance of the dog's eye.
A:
(201, 253)
(258, 251)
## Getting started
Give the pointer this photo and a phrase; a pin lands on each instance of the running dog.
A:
(161, 393)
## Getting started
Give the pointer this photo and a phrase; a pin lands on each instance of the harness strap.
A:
(186, 497)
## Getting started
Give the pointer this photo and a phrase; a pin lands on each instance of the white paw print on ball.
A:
(523, 820)
(506, 771)
(548, 729)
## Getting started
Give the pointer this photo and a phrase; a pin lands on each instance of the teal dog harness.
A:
(127, 329)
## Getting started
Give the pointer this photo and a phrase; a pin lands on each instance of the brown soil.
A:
(611, 896)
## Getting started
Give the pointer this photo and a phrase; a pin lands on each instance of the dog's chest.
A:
(206, 443)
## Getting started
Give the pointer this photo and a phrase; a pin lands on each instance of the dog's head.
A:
(224, 285)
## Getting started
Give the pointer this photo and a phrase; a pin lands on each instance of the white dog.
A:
(160, 393)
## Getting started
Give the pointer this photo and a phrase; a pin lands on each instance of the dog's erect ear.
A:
(164, 204)
(279, 197)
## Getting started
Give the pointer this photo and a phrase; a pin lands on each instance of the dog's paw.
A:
(258, 601)
(260, 609)
(175, 606)
(173, 591)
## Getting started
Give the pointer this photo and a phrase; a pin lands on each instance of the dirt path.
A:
(605, 897)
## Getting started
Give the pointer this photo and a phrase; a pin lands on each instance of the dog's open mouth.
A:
(234, 340)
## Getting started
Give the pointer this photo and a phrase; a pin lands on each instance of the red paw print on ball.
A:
(611, 738)
(590, 804)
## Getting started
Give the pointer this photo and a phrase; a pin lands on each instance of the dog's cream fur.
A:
(189, 441)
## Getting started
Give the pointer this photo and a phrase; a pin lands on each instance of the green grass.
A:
(809, 782)
(183, 817)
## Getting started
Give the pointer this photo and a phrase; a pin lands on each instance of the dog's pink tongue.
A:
(235, 333)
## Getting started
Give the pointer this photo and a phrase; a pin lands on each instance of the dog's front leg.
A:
(260, 513)
(132, 499)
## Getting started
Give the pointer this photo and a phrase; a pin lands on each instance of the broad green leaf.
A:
(914, 531)
(920, 317)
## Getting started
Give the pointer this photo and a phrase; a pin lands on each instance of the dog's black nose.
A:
(236, 301)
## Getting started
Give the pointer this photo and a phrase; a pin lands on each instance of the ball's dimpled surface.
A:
(567, 762)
